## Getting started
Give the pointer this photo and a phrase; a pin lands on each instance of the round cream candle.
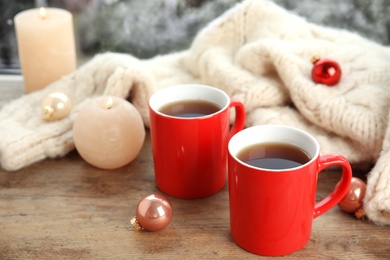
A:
(46, 46)
(108, 132)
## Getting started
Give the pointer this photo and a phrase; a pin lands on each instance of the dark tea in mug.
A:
(189, 108)
(274, 156)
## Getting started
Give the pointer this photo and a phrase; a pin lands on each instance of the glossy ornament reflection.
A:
(55, 106)
(325, 71)
(353, 200)
(154, 212)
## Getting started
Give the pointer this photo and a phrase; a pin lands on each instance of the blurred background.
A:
(149, 28)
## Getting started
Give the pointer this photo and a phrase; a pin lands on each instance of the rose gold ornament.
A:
(325, 71)
(353, 200)
(154, 212)
(55, 106)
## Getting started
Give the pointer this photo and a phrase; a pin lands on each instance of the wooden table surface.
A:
(66, 209)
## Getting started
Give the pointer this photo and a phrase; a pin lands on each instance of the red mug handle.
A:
(239, 121)
(341, 188)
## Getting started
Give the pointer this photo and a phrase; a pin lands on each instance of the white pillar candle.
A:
(46, 46)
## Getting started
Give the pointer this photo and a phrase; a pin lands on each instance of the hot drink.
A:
(189, 129)
(272, 208)
(190, 108)
(274, 156)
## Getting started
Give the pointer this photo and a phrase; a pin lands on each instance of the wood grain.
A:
(66, 209)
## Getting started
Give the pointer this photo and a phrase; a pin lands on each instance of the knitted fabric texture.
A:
(258, 53)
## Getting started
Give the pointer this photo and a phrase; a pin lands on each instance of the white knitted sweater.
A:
(258, 53)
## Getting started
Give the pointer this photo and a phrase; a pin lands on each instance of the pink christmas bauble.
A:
(154, 212)
(353, 200)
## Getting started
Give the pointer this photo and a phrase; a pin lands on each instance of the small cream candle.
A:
(46, 46)
(108, 132)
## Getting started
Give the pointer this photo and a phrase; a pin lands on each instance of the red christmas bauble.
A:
(325, 71)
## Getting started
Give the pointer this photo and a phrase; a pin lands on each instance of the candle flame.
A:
(109, 103)
(42, 12)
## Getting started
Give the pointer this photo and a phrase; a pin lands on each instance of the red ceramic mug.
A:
(190, 153)
(271, 210)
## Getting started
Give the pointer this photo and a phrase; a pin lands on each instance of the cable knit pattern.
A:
(258, 53)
